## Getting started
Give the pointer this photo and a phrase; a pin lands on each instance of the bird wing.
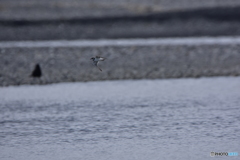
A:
(101, 59)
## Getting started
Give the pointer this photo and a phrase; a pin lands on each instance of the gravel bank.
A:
(150, 61)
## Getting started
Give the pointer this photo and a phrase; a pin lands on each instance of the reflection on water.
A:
(144, 119)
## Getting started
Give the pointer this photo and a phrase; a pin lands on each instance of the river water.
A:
(129, 119)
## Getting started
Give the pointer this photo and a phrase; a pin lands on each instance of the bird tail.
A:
(100, 69)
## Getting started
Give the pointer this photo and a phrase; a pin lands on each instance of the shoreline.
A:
(223, 40)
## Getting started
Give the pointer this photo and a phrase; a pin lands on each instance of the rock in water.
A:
(37, 71)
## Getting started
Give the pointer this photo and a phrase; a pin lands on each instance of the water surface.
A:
(131, 119)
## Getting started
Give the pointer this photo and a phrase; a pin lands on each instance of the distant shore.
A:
(221, 21)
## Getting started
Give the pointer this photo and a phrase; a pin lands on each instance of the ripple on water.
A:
(120, 122)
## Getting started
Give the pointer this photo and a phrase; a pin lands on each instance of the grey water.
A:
(127, 119)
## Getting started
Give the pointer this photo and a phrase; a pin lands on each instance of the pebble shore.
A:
(156, 61)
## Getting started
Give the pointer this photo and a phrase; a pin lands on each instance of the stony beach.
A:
(144, 61)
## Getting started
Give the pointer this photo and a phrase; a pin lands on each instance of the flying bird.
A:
(96, 60)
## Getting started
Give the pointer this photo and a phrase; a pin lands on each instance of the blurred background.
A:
(96, 19)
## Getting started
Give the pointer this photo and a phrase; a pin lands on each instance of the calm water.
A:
(134, 120)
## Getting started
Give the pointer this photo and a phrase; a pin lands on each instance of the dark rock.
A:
(37, 71)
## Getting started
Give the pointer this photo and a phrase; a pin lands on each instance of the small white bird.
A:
(96, 60)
